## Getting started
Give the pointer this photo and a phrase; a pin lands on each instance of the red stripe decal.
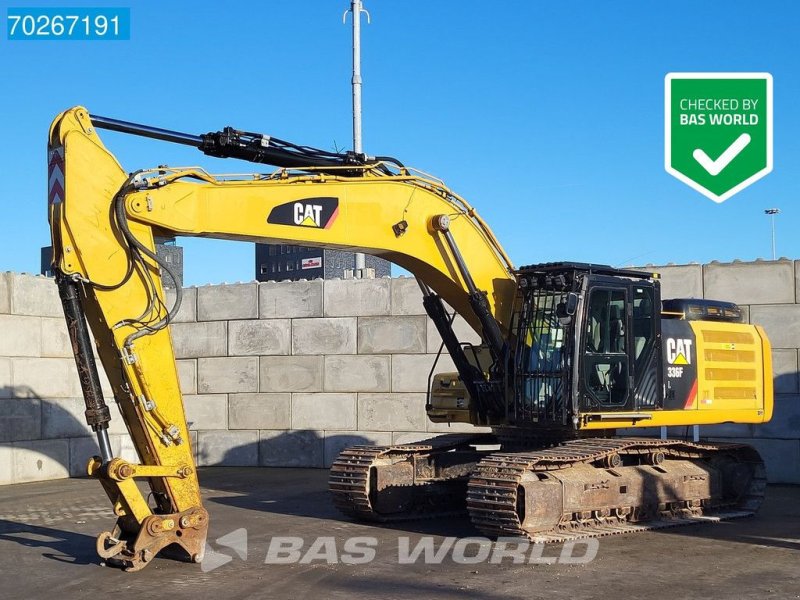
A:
(692, 395)
(56, 193)
(333, 218)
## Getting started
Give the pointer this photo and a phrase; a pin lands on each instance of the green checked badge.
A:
(718, 130)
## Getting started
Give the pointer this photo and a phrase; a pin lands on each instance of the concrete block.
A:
(745, 313)
(206, 411)
(291, 373)
(262, 411)
(227, 448)
(782, 458)
(40, 460)
(412, 437)
(410, 371)
(463, 331)
(324, 411)
(194, 340)
(46, 377)
(188, 310)
(83, 448)
(723, 430)
(117, 424)
(5, 293)
(357, 373)
(221, 302)
(6, 379)
(227, 375)
(265, 337)
(21, 336)
(20, 419)
(187, 375)
(193, 447)
(760, 282)
(455, 428)
(34, 295)
(290, 299)
(64, 418)
(55, 338)
(105, 384)
(406, 297)
(680, 281)
(642, 431)
(291, 449)
(337, 441)
(6, 457)
(796, 279)
(127, 451)
(324, 336)
(357, 297)
(780, 321)
(384, 335)
(784, 371)
(391, 412)
(785, 422)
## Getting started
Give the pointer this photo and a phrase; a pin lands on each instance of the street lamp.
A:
(772, 212)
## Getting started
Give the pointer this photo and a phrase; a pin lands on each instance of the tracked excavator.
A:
(571, 353)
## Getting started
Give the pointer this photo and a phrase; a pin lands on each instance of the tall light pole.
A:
(356, 9)
(772, 212)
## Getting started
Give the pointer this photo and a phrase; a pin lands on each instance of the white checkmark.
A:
(714, 167)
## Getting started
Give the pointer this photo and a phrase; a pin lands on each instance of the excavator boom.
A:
(103, 223)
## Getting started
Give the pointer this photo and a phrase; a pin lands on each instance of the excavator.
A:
(575, 359)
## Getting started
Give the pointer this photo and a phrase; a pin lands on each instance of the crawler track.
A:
(351, 480)
(494, 503)
(495, 483)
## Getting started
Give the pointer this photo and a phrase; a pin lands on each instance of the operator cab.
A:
(587, 340)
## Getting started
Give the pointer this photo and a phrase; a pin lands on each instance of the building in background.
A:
(166, 248)
(286, 262)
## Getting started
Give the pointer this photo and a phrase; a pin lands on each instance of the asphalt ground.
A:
(274, 534)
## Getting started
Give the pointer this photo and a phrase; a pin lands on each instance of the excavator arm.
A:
(104, 221)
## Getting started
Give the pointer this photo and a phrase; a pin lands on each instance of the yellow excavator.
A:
(570, 352)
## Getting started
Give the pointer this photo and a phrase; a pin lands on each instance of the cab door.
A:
(606, 382)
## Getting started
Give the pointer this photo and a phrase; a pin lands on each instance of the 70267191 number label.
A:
(112, 23)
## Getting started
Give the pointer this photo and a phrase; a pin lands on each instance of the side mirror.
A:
(565, 310)
(572, 303)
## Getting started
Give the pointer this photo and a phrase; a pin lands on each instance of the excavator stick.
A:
(109, 279)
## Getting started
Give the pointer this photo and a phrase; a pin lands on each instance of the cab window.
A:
(605, 358)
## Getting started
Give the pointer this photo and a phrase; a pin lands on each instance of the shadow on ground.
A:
(60, 544)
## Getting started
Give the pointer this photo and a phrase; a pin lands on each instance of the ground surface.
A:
(47, 533)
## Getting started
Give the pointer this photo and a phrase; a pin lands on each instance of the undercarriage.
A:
(579, 488)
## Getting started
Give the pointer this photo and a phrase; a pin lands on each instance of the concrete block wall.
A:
(289, 373)
(43, 434)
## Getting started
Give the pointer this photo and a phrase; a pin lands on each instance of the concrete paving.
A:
(47, 533)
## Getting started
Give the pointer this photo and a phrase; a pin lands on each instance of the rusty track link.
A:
(492, 497)
(349, 480)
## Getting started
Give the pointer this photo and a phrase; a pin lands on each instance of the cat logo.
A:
(307, 214)
(679, 351)
(318, 213)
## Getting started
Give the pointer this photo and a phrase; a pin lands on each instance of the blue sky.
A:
(546, 116)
